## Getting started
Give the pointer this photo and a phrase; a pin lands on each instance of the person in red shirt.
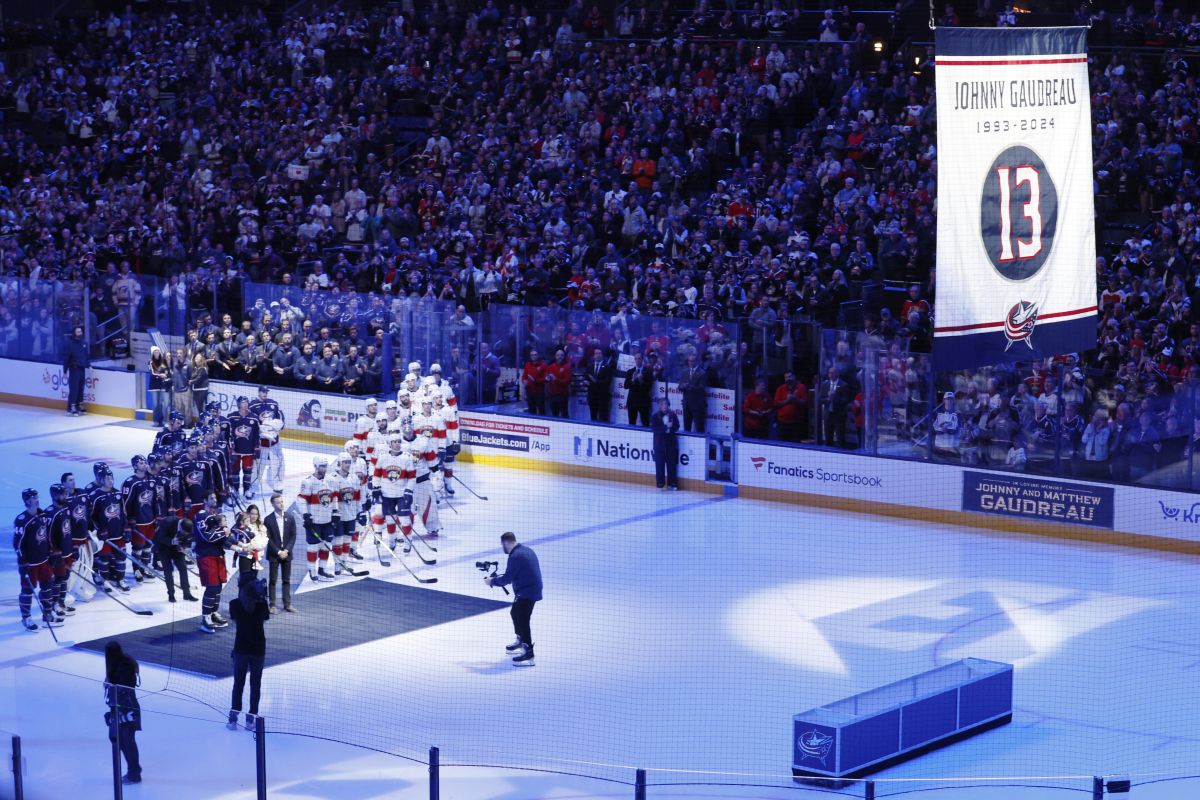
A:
(644, 170)
(533, 378)
(756, 412)
(791, 408)
(915, 303)
(558, 385)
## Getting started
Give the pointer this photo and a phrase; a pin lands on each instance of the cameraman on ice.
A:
(525, 575)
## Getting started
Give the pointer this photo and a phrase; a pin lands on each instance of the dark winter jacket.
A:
(524, 574)
(75, 354)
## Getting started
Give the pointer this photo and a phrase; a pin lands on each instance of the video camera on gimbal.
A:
(493, 566)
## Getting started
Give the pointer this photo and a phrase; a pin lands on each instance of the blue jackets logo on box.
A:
(815, 744)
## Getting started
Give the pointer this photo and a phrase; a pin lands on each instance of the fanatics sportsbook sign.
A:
(1016, 245)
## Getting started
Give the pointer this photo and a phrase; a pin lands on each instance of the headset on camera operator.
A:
(525, 575)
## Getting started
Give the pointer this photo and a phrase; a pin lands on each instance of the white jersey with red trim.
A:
(363, 426)
(394, 473)
(450, 423)
(424, 454)
(361, 471)
(413, 394)
(434, 425)
(318, 497)
(445, 390)
(376, 444)
(349, 491)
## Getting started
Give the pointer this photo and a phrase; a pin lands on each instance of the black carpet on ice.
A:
(330, 618)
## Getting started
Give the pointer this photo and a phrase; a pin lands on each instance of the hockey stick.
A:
(404, 564)
(141, 612)
(468, 488)
(51, 622)
(338, 562)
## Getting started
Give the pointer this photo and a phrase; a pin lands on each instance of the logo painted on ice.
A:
(815, 744)
(1019, 322)
(1180, 514)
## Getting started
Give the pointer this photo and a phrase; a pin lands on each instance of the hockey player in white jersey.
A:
(452, 442)
(318, 503)
(270, 462)
(349, 502)
(392, 490)
(361, 471)
(394, 421)
(429, 424)
(424, 456)
(365, 423)
(411, 386)
(414, 367)
(443, 386)
(377, 440)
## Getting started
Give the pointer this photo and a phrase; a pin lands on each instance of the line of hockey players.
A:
(404, 459)
(164, 518)
(395, 470)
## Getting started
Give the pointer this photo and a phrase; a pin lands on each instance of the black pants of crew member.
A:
(280, 569)
(537, 404)
(75, 377)
(243, 664)
(522, 610)
(694, 418)
(170, 559)
(127, 742)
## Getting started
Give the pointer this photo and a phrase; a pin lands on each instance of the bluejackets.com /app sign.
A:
(1037, 498)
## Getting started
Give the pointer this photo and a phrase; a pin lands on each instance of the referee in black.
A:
(525, 575)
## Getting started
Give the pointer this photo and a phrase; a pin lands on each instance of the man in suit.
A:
(693, 384)
(835, 402)
(599, 376)
(281, 539)
(639, 383)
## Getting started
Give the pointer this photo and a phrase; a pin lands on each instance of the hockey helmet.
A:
(414, 367)
(176, 416)
(264, 389)
(370, 403)
(242, 399)
(102, 472)
(155, 459)
(57, 492)
(28, 494)
(138, 463)
(390, 404)
(99, 468)
(406, 400)
(438, 398)
(395, 440)
(320, 461)
(382, 422)
(411, 377)
(213, 407)
(426, 400)
(435, 369)
(214, 523)
(343, 458)
(194, 440)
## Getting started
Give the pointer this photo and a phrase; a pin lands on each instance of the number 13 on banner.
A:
(1018, 213)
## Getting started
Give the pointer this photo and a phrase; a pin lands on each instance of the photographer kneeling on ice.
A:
(525, 575)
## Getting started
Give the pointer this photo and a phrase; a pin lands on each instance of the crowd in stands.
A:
(765, 170)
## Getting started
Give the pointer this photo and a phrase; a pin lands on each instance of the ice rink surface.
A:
(680, 632)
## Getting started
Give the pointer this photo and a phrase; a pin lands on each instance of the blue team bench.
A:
(881, 727)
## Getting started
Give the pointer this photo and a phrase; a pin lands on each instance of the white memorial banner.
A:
(1016, 251)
